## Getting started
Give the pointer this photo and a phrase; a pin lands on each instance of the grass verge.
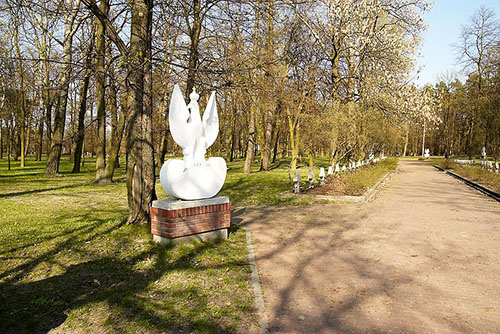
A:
(490, 180)
(358, 183)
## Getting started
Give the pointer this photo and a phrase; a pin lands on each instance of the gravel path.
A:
(423, 257)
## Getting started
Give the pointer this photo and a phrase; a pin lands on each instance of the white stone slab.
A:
(174, 204)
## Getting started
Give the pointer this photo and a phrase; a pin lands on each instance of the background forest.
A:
(294, 79)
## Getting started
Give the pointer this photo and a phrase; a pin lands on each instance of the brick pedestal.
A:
(182, 221)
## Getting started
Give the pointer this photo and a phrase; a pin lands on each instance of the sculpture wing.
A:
(211, 121)
(178, 117)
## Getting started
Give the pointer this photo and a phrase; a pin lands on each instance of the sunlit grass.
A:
(68, 262)
(357, 183)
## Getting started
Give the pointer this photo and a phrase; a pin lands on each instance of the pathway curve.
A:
(423, 257)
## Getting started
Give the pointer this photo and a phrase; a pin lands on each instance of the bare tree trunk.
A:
(276, 141)
(233, 131)
(9, 144)
(21, 94)
(194, 31)
(54, 155)
(406, 140)
(423, 139)
(162, 149)
(117, 128)
(140, 158)
(100, 164)
(84, 87)
(251, 119)
(293, 127)
(1, 139)
(269, 114)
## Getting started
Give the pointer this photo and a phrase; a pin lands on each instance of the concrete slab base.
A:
(205, 236)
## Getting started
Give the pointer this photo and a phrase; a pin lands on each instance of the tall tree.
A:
(479, 35)
(70, 28)
(139, 145)
(100, 164)
(82, 109)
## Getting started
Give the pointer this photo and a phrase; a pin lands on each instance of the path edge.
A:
(257, 287)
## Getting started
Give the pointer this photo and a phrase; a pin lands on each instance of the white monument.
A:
(483, 152)
(330, 170)
(194, 177)
(322, 175)
(296, 181)
(427, 154)
(193, 181)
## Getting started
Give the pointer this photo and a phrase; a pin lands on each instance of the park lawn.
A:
(69, 263)
(490, 180)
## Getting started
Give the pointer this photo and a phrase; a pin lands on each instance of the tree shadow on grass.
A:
(38, 191)
(39, 306)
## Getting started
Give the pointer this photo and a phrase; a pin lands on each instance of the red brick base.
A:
(183, 222)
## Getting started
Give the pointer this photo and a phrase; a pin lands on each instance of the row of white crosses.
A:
(464, 162)
(351, 167)
(489, 165)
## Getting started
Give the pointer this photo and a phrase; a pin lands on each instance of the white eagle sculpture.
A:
(193, 177)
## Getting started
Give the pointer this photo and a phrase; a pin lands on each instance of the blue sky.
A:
(445, 22)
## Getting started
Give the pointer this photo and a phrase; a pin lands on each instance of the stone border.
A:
(367, 196)
(485, 191)
(257, 288)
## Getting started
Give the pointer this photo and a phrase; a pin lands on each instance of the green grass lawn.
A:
(68, 262)
(491, 180)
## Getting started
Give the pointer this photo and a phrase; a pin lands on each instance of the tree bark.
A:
(406, 140)
(194, 31)
(251, 117)
(100, 164)
(84, 86)
(1, 139)
(40, 139)
(140, 157)
(117, 128)
(54, 154)
(162, 149)
(21, 94)
(269, 114)
(9, 144)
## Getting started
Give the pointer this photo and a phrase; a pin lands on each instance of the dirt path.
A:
(424, 257)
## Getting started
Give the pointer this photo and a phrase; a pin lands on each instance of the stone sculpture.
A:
(194, 177)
